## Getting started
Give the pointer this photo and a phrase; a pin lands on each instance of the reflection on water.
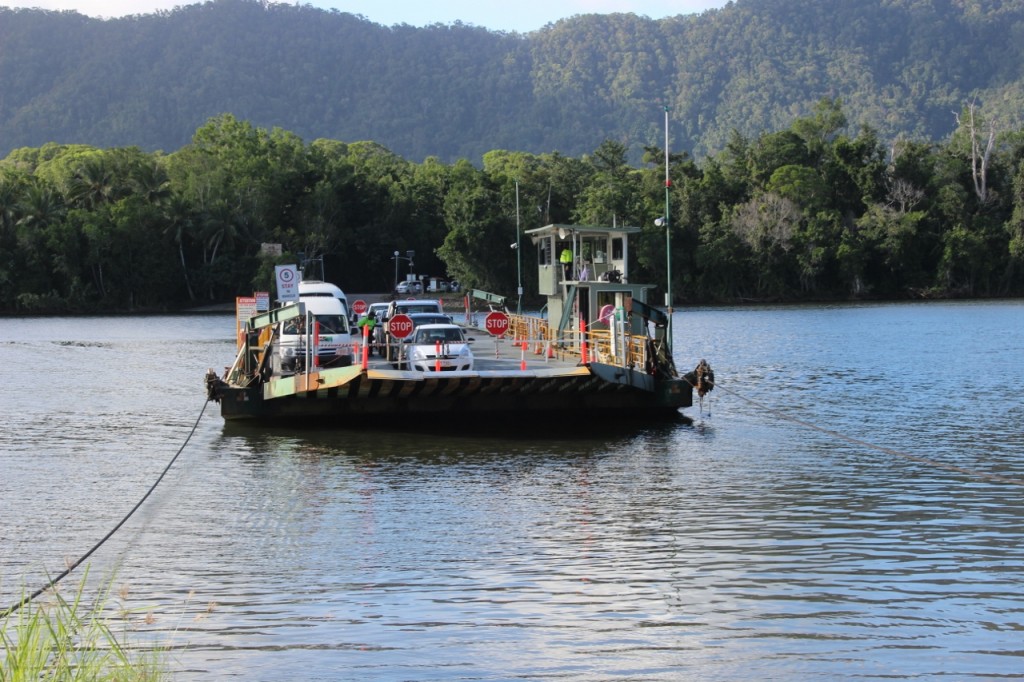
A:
(735, 546)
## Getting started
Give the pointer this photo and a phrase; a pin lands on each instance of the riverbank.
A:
(456, 299)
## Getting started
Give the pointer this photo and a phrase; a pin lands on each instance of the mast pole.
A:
(668, 244)
(519, 257)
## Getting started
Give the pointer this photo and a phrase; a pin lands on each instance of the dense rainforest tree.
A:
(809, 212)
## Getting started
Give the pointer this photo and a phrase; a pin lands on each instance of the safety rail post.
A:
(366, 346)
(316, 343)
(583, 342)
(307, 333)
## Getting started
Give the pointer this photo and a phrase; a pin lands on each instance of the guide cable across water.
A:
(872, 446)
(14, 607)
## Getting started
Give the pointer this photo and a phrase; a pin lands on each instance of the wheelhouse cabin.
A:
(584, 272)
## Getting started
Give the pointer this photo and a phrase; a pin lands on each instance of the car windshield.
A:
(416, 308)
(329, 324)
(446, 335)
(332, 324)
(428, 318)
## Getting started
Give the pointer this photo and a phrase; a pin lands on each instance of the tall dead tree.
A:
(979, 159)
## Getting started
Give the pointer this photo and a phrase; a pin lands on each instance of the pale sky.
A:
(514, 15)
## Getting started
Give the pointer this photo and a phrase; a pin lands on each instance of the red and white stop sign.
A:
(359, 306)
(496, 323)
(400, 326)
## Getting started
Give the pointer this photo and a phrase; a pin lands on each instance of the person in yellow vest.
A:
(566, 259)
(369, 321)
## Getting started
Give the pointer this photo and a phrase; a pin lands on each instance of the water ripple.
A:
(742, 546)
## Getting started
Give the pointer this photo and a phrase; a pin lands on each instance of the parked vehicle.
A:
(413, 305)
(378, 310)
(439, 284)
(409, 287)
(324, 328)
(314, 288)
(396, 356)
(439, 347)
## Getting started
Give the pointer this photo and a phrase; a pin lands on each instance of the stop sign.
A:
(400, 326)
(496, 323)
(359, 306)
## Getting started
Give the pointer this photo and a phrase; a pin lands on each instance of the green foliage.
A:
(802, 213)
(57, 639)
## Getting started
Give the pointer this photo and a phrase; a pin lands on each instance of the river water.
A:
(849, 504)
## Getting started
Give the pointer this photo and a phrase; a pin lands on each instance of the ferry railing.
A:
(625, 350)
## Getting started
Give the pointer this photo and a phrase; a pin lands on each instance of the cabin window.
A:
(544, 251)
(617, 248)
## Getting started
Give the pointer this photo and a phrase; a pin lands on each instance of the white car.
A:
(441, 347)
(391, 344)
(409, 287)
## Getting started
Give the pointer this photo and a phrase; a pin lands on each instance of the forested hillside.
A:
(900, 66)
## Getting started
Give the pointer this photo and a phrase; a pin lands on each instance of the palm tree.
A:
(93, 184)
(40, 207)
(180, 222)
(150, 181)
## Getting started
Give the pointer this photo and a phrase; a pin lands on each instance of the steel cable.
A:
(873, 446)
(13, 608)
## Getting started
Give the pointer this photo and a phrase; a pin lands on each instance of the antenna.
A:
(519, 257)
(668, 246)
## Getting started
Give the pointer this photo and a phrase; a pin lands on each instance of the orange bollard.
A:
(437, 356)
(583, 342)
(522, 357)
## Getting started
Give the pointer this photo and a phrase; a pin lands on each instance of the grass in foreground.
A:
(57, 639)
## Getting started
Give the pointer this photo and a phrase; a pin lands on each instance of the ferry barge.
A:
(598, 349)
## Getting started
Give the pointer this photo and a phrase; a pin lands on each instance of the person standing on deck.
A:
(566, 259)
(369, 321)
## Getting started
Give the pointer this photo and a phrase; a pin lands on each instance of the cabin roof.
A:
(582, 230)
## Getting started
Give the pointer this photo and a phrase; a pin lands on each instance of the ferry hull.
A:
(353, 395)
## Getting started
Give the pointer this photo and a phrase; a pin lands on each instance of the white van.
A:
(314, 288)
(325, 305)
